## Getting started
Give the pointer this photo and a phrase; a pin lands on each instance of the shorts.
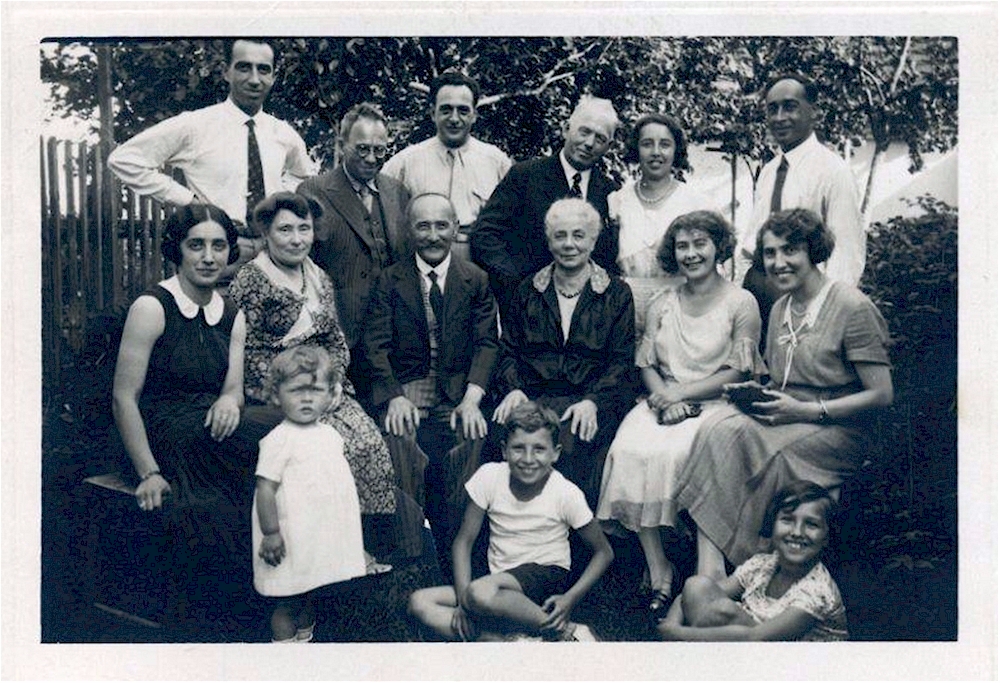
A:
(539, 581)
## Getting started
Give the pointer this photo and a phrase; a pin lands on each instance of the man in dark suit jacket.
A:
(362, 230)
(431, 351)
(508, 240)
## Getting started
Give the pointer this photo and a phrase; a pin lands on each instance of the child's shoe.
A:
(305, 635)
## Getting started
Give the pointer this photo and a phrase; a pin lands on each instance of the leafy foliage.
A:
(885, 88)
(909, 505)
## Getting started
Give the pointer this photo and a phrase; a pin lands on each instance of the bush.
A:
(909, 500)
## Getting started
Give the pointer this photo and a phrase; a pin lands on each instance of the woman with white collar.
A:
(829, 365)
(178, 393)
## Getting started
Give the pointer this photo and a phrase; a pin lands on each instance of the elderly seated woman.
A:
(177, 396)
(569, 344)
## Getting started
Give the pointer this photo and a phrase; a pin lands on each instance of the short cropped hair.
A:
(796, 226)
(792, 496)
(186, 217)
(631, 155)
(413, 201)
(228, 43)
(455, 78)
(712, 222)
(810, 87)
(601, 107)
(529, 417)
(268, 208)
(365, 110)
(573, 209)
(298, 360)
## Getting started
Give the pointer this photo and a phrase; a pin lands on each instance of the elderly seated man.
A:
(569, 344)
(431, 343)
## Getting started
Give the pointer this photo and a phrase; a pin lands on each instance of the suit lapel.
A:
(409, 288)
(456, 296)
(349, 206)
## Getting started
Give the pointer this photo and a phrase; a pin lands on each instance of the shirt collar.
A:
(443, 149)
(441, 269)
(356, 184)
(570, 171)
(233, 110)
(599, 278)
(797, 153)
(188, 308)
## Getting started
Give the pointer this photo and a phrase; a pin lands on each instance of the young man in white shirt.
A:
(453, 163)
(804, 175)
(226, 161)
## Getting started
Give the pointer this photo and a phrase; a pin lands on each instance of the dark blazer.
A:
(597, 360)
(344, 245)
(396, 345)
(508, 240)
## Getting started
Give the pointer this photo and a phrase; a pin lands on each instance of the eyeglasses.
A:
(378, 150)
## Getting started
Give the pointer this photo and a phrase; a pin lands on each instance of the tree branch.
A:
(899, 68)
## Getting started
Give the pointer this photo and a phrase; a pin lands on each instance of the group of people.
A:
(325, 369)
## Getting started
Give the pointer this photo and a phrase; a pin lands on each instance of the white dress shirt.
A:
(570, 172)
(469, 180)
(820, 180)
(210, 146)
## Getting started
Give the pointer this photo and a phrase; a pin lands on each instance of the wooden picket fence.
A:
(100, 247)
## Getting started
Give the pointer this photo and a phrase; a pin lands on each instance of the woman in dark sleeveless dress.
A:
(177, 395)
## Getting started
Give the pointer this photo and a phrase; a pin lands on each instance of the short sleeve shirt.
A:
(535, 530)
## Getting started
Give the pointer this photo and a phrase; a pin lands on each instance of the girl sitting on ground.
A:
(306, 519)
(787, 594)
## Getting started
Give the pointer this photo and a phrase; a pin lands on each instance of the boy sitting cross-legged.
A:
(531, 509)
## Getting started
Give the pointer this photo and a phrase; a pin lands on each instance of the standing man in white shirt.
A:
(233, 154)
(805, 175)
(452, 163)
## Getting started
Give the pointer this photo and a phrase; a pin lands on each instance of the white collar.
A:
(235, 111)
(188, 308)
(443, 149)
(570, 171)
(801, 150)
(441, 269)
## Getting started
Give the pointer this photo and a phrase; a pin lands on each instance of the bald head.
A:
(433, 226)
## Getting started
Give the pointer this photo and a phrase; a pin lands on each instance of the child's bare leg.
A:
(434, 608)
(711, 561)
(706, 604)
(499, 596)
(283, 620)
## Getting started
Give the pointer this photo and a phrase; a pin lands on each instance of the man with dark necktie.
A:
(431, 342)
(362, 230)
(805, 175)
(232, 154)
(508, 240)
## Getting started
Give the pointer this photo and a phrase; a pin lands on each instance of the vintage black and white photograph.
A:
(547, 336)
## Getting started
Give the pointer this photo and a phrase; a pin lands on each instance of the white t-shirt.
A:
(535, 530)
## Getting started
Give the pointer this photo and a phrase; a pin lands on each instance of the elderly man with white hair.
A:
(569, 343)
(508, 240)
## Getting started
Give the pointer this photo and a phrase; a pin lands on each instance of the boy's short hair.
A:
(790, 497)
(530, 417)
(290, 363)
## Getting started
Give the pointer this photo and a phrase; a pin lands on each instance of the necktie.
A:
(437, 302)
(255, 173)
(365, 193)
(576, 190)
(458, 191)
(779, 184)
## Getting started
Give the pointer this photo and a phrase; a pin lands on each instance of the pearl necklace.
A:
(654, 200)
(571, 295)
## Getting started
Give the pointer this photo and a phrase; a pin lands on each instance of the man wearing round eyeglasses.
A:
(363, 227)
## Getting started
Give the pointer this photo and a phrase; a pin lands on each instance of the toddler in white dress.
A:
(306, 515)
